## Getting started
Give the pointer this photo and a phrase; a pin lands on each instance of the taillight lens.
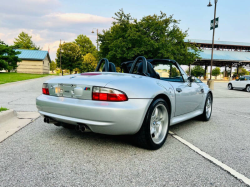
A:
(107, 94)
(45, 89)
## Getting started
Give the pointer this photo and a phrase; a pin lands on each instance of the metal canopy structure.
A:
(224, 58)
(226, 54)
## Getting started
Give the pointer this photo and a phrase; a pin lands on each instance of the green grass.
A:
(3, 109)
(13, 77)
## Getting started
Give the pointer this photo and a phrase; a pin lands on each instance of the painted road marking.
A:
(212, 159)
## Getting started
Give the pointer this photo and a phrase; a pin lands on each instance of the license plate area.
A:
(67, 90)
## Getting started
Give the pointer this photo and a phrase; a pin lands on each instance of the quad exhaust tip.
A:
(81, 128)
(49, 120)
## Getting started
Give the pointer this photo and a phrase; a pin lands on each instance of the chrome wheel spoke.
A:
(208, 107)
(159, 123)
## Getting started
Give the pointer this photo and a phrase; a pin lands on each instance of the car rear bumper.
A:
(113, 118)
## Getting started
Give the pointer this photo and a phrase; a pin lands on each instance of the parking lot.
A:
(45, 155)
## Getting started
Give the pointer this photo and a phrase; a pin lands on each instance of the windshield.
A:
(168, 71)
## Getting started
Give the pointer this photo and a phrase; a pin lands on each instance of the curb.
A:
(6, 115)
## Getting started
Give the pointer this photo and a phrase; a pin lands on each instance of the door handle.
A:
(202, 90)
(178, 89)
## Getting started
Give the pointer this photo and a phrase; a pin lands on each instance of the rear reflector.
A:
(45, 89)
(107, 94)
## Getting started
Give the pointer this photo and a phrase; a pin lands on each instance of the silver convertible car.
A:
(148, 97)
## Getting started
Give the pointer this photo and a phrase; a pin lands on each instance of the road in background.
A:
(45, 155)
(21, 96)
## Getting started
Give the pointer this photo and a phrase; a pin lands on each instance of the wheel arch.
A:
(165, 98)
(211, 94)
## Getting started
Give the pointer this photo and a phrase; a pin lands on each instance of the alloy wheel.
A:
(248, 89)
(208, 107)
(159, 123)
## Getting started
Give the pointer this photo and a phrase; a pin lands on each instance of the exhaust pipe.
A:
(49, 120)
(80, 128)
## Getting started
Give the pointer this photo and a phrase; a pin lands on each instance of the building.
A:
(33, 61)
(226, 54)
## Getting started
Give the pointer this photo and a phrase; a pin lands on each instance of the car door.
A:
(188, 97)
(242, 82)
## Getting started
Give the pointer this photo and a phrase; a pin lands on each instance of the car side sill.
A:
(184, 117)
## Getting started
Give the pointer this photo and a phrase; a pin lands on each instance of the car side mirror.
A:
(191, 79)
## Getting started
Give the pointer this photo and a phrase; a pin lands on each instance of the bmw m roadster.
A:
(144, 100)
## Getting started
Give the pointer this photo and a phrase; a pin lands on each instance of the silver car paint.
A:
(100, 116)
(121, 117)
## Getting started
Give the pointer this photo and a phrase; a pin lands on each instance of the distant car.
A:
(243, 83)
(144, 102)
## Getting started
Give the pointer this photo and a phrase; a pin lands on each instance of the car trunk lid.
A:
(80, 86)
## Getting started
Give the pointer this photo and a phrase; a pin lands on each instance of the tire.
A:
(248, 88)
(207, 112)
(155, 127)
(230, 86)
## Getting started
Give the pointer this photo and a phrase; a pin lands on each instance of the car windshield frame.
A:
(155, 62)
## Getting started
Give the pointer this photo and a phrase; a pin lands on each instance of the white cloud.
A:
(42, 20)
(78, 18)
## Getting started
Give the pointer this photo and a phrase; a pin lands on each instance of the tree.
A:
(242, 71)
(89, 63)
(153, 37)
(23, 41)
(86, 45)
(53, 66)
(216, 71)
(71, 56)
(174, 72)
(197, 71)
(8, 57)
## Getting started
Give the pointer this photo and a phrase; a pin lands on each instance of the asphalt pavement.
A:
(45, 155)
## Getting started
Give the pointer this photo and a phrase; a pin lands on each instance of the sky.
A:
(48, 21)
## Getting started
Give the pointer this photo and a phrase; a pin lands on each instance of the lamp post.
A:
(96, 36)
(209, 5)
(61, 57)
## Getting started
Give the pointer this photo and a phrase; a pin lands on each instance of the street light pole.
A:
(60, 56)
(96, 36)
(212, 54)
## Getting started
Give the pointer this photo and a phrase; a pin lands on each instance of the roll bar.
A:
(106, 61)
(144, 65)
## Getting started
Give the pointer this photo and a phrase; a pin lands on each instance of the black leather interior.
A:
(111, 67)
(140, 69)
(151, 72)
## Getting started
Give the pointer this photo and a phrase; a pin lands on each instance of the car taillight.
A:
(107, 94)
(45, 89)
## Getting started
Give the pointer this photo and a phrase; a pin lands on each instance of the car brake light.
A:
(45, 89)
(107, 94)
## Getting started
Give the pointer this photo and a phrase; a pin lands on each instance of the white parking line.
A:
(212, 159)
